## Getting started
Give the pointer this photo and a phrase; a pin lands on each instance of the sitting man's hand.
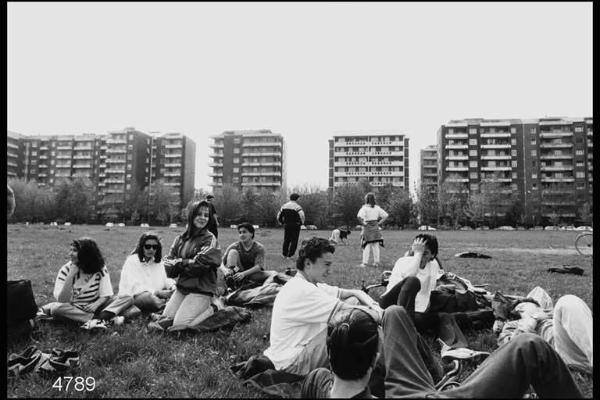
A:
(239, 276)
(163, 294)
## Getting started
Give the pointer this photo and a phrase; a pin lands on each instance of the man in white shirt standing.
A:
(304, 306)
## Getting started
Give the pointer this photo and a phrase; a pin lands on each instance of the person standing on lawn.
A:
(291, 216)
(352, 346)
(371, 217)
(214, 224)
(303, 307)
(193, 259)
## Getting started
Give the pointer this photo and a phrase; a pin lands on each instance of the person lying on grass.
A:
(144, 286)
(304, 305)
(411, 284)
(244, 260)
(567, 327)
(353, 343)
(82, 287)
(193, 259)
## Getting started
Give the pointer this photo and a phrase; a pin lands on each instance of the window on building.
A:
(533, 141)
(513, 142)
(128, 186)
(579, 164)
(533, 176)
(513, 130)
(473, 175)
(578, 152)
(472, 131)
(513, 152)
(578, 129)
(236, 169)
(473, 153)
(532, 131)
(473, 142)
(474, 187)
(514, 175)
(533, 153)
(236, 160)
(579, 174)
(473, 164)
(534, 186)
(513, 163)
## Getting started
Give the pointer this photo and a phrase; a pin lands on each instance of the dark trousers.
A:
(507, 373)
(444, 324)
(291, 233)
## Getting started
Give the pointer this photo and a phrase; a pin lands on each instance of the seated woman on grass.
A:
(144, 286)
(413, 279)
(193, 259)
(244, 260)
(82, 286)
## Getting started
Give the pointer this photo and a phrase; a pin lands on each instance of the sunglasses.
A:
(151, 246)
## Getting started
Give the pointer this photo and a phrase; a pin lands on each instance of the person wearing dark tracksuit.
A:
(291, 216)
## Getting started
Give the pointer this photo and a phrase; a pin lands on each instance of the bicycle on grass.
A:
(584, 243)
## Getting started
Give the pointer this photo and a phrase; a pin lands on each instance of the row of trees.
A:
(450, 205)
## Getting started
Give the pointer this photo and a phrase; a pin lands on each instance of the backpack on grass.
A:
(21, 308)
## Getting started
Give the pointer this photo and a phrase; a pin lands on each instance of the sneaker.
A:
(461, 353)
(118, 320)
(94, 324)
(362, 265)
(42, 316)
(20, 364)
(155, 316)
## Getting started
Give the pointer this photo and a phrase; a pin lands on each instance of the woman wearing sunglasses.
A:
(144, 286)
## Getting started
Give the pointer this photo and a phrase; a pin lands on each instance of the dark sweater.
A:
(197, 272)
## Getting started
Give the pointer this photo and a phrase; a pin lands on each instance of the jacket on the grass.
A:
(201, 256)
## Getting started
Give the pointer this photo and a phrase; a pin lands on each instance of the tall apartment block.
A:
(14, 150)
(250, 158)
(113, 162)
(381, 159)
(544, 162)
(429, 168)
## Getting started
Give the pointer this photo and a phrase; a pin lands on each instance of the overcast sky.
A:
(305, 70)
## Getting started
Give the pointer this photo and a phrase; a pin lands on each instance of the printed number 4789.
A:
(80, 383)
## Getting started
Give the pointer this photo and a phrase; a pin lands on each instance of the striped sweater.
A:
(86, 288)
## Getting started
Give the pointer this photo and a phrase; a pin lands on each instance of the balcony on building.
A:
(12, 145)
(173, 155)
(496, 146)
(553, 156)
(497, 168)
(116, 141)
(63, 165)
(83, 147)
(82, 165)
(64, 147)
(64, 157)
(456, 135)
(496, 134)
(218, 164)
(555, 145)
(555, 134)
(216, 184)
(117, 150)
(457, 180)
(457, 146)
(43, 157)
(218, 145)
(564, 167)
(42, 175)
(452, 169)
(115, 170)
(557, 179)
(261, 144)
(178, 145)
(495, 157)
(173, 164)
(172, 183)
(82, 157)
(115, 161)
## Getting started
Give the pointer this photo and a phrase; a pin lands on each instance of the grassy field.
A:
(128, 361)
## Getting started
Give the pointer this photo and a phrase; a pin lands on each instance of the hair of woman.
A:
(190, 229)
(139, 249)
(247, 226)
(432, 244)
(312, 249)
(352, 343)
(370, 199)
(89, 257)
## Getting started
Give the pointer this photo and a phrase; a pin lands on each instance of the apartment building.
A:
(172, 160)
(381, 159)
(429, 168)
(14, 151)
(545, 163)
(113, 162)
(249, 158)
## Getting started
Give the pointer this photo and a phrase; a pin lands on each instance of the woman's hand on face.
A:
(418, 246)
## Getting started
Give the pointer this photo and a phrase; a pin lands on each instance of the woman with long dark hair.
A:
(82, 286)
(193, 261)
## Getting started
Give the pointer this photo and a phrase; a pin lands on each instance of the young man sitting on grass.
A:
(303, 308)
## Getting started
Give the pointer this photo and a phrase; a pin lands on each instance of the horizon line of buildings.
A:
(543, 161)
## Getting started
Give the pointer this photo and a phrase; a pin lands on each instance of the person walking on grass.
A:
(193, 260)
(371, 217)
(82, 287)
(353, 343)
(291, 216)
